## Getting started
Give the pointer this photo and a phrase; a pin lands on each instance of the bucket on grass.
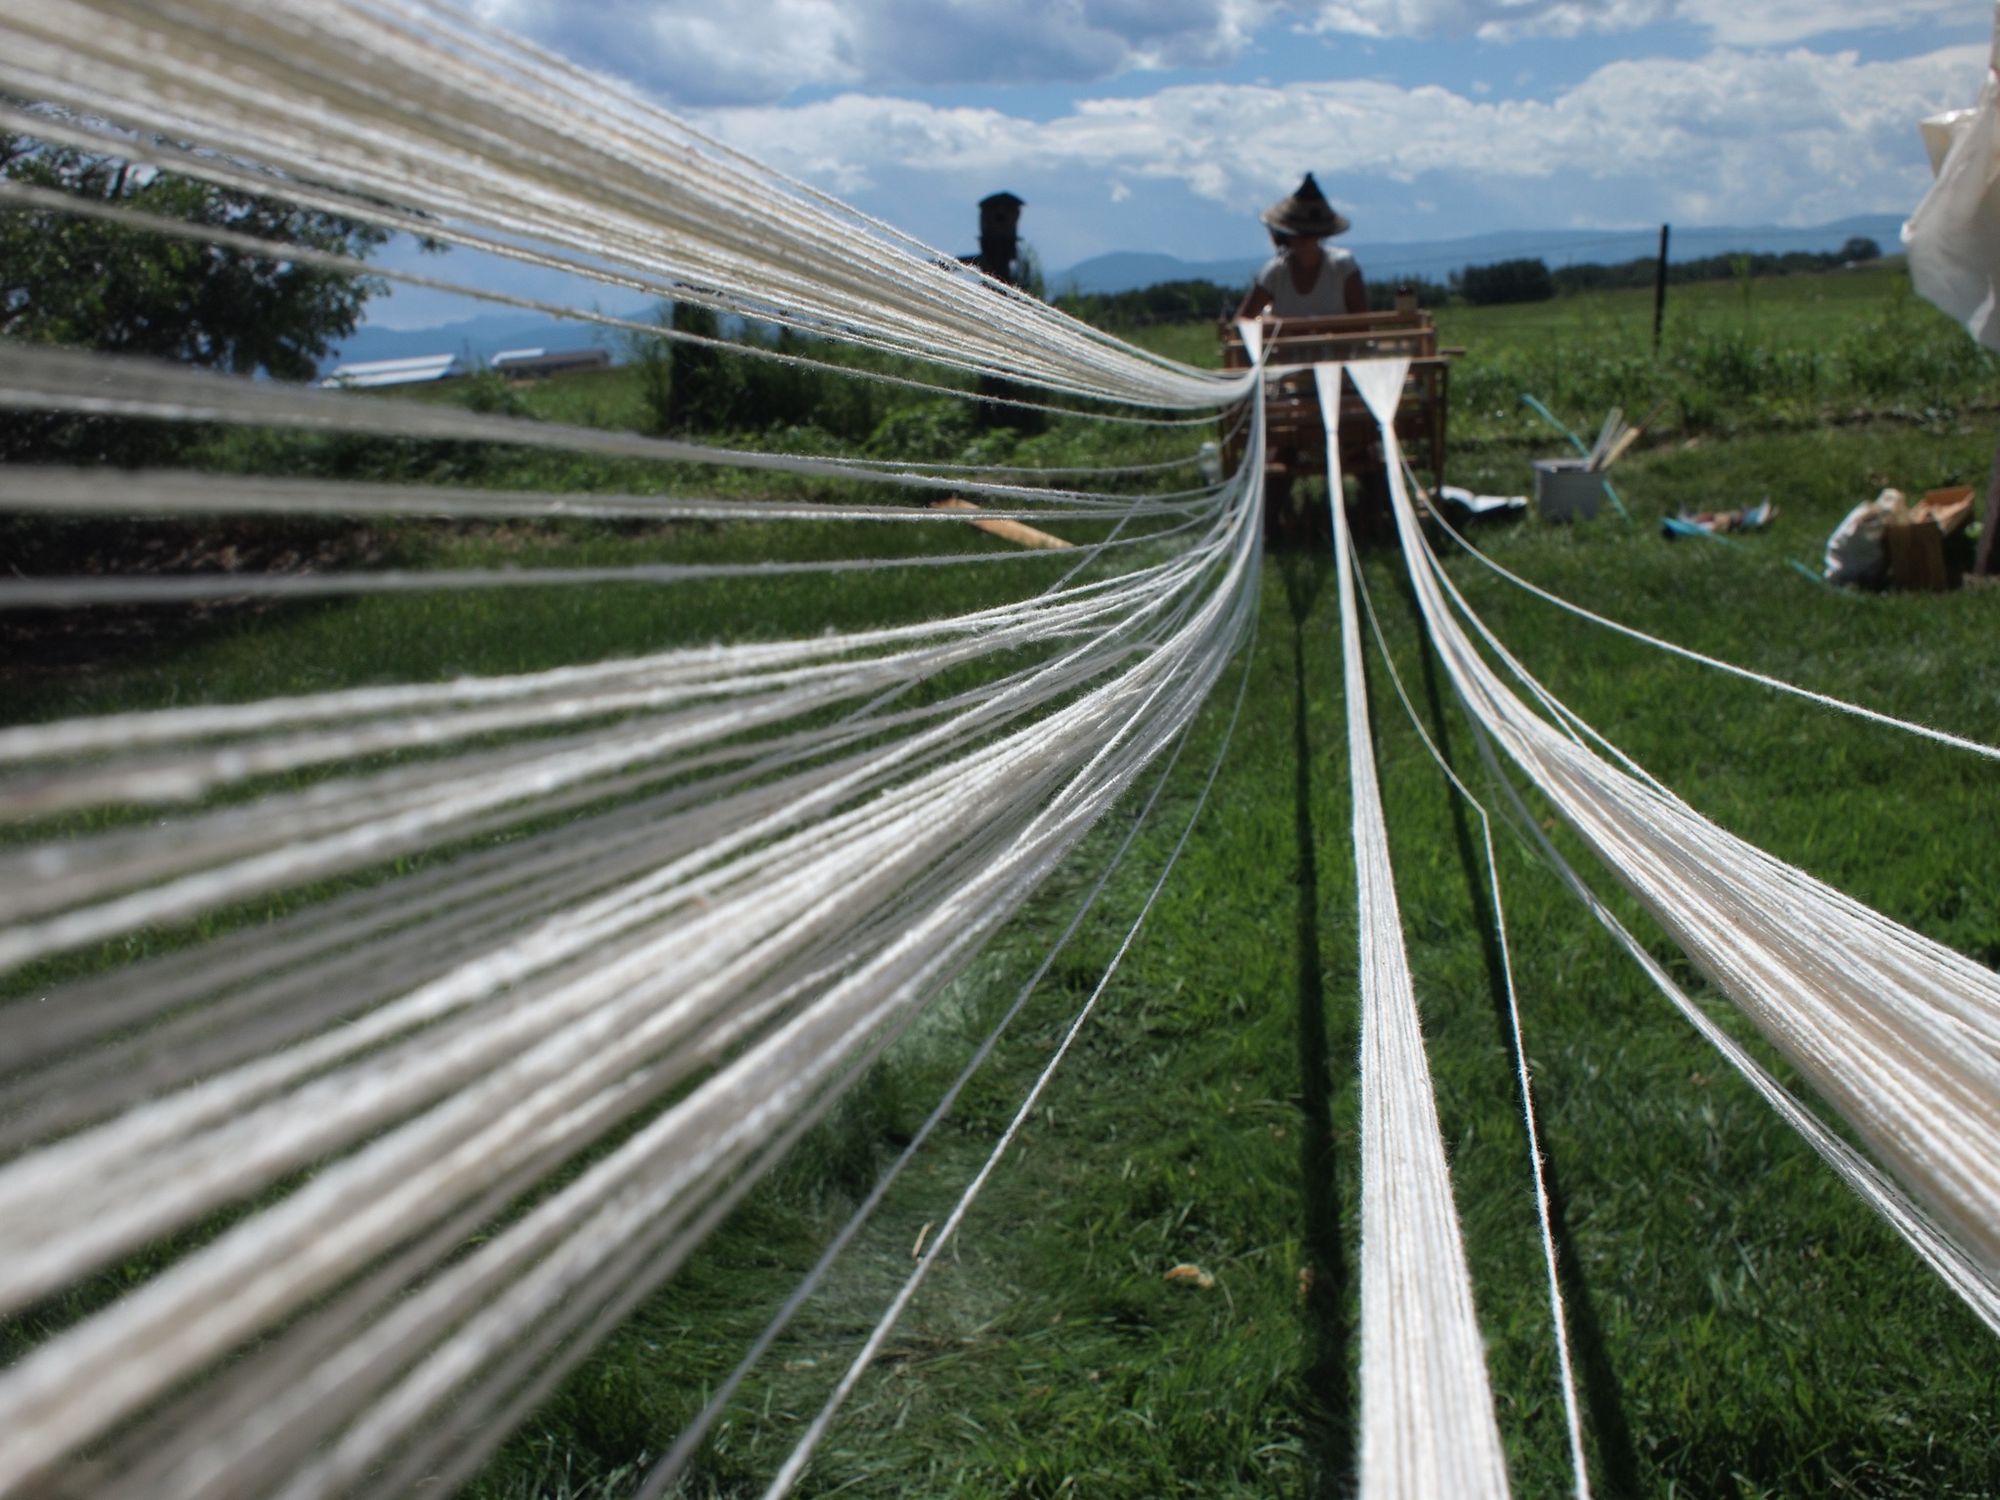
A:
(1567, 489)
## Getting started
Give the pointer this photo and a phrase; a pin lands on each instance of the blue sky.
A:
(1165, 124)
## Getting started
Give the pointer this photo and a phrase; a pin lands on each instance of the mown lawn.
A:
(1743, 1327)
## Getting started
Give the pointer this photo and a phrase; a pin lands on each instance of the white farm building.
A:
(420, 370)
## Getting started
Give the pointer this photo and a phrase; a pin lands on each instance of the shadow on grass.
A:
(1617, 1462)
(1329, 1413)
(55, 661)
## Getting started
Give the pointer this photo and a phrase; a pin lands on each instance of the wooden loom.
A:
(1295, 436)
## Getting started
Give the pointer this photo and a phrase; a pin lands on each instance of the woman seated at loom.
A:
(1305, 279)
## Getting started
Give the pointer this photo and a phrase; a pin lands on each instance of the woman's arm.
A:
(1254, 301)
(1357, 292)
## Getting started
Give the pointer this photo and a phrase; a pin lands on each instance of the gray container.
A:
(1566, 489)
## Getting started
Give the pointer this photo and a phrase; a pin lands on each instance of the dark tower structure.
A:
(999, 236)
(999, 256)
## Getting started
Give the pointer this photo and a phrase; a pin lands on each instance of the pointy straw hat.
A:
(1306, 213)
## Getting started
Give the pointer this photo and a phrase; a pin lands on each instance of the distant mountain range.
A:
(1434, 260)
(479, 339)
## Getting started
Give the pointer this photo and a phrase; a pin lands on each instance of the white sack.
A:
(1855, 553)
(1953, 239)
(1941, 133)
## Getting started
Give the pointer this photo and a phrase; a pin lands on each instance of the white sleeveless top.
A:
(1328, 294)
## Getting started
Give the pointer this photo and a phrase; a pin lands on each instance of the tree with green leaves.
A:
(85, 283)
(82, 282)
(1507, 281)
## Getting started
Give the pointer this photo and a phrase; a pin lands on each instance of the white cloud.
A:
(842, 144)
(699, 54)
(1769, 22)
(1748, 23)
(695, 52)
(1792, 137)
(1492, 19)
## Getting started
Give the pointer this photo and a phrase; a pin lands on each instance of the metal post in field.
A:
(1660, 293)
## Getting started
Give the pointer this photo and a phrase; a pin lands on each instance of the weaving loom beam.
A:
(1295, 427)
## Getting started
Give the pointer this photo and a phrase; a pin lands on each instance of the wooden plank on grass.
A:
(1013, 531)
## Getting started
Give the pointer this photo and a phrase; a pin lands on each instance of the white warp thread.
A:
(479, 1116)
(734, 873)
(1943, 1255)
(81, 592)
(676, 1459)
(801, 1455)
(1558, 1313)
(33, 378)
(168, 492)
(1427, 1423)
(1899, 1034)
(742, 956)
(1777, 684)
(358, 108)
(27, 196)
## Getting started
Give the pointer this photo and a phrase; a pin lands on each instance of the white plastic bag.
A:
(1941, 133)
(1953, 239)
(1854, 552)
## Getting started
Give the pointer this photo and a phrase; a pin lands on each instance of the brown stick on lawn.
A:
(1013, 531)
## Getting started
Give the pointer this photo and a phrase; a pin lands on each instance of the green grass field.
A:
(1743, 1326)
(1784, 352)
